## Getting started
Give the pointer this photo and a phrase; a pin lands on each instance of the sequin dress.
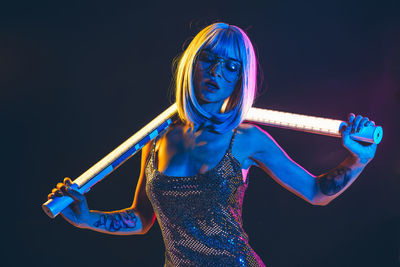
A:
(200, 216)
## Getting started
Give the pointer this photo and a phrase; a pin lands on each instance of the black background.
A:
(78, 78)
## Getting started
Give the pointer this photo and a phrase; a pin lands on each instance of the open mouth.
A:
(212, 85)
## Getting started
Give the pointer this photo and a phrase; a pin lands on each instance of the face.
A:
(216, 76)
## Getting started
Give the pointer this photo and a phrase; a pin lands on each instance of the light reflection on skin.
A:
(212, 99)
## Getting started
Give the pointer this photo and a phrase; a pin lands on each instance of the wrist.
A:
(85, 221)
(356, 160)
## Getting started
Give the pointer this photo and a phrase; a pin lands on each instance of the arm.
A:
(121, 222)
(269, 156)
(331, 184)
(334, 182)
(136, 219)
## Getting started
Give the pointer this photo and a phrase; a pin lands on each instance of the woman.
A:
(194, 176)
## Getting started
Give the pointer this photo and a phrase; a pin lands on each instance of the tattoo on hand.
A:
(118, 221)
(334, 181)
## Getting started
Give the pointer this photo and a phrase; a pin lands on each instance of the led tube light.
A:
(371, 134)
(311, 124)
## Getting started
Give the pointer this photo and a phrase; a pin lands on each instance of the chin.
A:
(210, 98)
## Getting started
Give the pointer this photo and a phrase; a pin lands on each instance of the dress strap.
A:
(233, 138)
(153, 153)
(153, 150)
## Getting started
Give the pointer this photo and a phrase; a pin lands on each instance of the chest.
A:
(189, 156)
(179, 154)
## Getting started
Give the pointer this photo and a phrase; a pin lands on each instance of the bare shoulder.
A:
(250, 140)
(253, 138)
(249, 128)
(146, 150)
(172, 135)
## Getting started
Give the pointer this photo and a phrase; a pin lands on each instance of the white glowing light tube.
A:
(317, 125)
(371, 134)
(112, 161)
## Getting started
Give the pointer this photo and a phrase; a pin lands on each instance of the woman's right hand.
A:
(77, 212)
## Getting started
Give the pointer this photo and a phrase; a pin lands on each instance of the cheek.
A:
(229, 89)
(197, 77)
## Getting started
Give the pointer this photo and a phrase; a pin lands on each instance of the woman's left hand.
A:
(365, 152)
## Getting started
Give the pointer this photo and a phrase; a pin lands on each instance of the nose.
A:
(213, 70)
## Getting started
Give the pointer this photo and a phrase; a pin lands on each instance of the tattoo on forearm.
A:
(334, 181)
(117, 221)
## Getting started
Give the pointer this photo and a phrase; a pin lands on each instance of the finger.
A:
(344, 127)
(59, 185)
(367, 123)
(64, 189)
(362, 123)
(348, 128)
(57, 192)
(355, 124)
(67, 181)
(370, 123)
(351, 117)
(49, 196)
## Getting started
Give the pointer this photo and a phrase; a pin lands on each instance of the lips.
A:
(212, 85)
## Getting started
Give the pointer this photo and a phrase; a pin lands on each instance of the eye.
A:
(232, 66)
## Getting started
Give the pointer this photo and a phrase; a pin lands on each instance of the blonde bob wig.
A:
(217, 37)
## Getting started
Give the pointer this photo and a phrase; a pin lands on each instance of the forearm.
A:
(120, 222)
(331, 184)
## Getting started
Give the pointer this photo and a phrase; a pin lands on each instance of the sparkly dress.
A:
(200, 216)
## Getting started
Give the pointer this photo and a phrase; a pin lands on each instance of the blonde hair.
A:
(218, 37)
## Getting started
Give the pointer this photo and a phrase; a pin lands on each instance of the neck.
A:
(214, 107)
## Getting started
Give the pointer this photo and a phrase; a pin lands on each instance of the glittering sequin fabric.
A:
(201, 216)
